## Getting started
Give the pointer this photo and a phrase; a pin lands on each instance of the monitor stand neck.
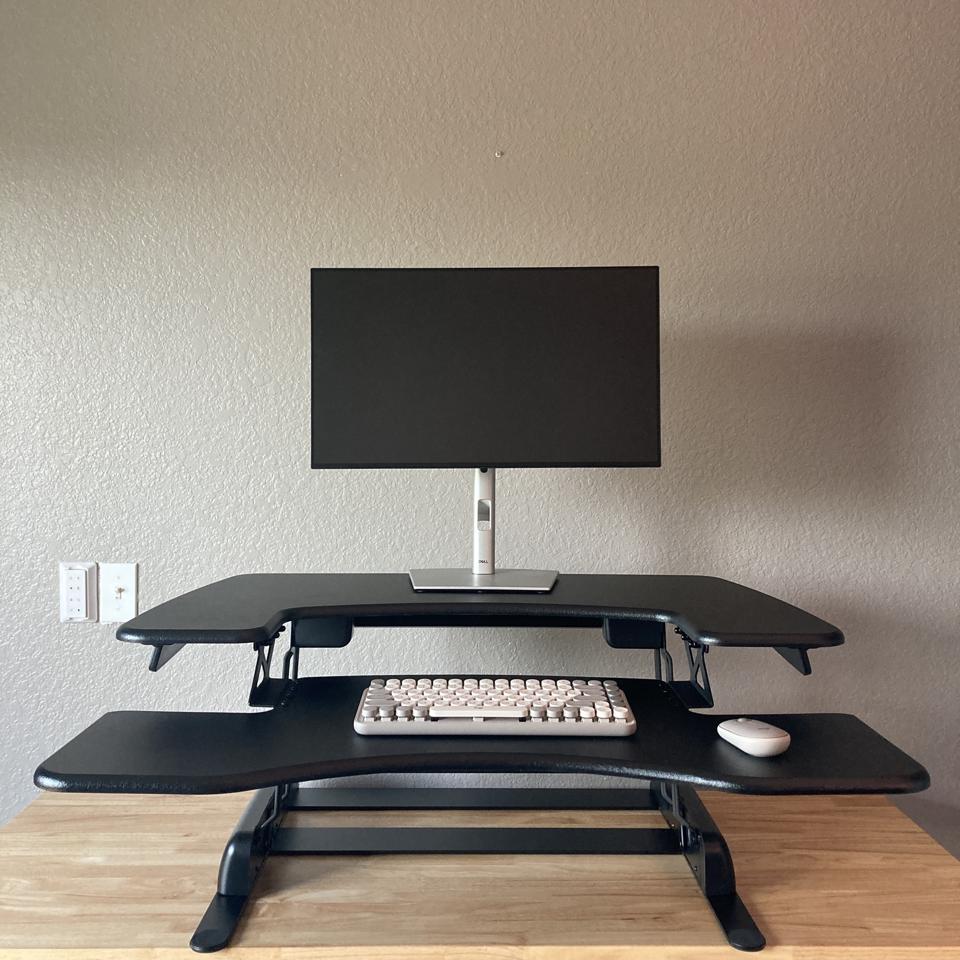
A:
(484, 576)
(484, 520)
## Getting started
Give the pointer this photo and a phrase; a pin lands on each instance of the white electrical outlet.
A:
(118, 592)
(78, 592)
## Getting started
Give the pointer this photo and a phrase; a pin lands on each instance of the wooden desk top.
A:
(111, 877)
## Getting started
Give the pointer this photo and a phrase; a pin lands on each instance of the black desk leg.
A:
(242, 859)
(690, 830)
(709, 858)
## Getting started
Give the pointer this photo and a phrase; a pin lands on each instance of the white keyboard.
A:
(497, 707)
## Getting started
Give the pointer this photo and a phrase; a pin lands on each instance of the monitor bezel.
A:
(459, 465)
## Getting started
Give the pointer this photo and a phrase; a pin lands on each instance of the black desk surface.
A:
(252, 607)
(310, 735)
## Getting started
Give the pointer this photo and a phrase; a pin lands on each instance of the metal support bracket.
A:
(689, 830)
(243, 857)
(260, 685)
(650, 635)
(699, 678)
(162, 654)
(663, 664)
(708, 857)
(267, 691)
(797, 657)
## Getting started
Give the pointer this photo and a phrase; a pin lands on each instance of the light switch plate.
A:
(78, 592)
(118, 592)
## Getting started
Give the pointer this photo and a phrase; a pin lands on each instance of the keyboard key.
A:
(483, 711)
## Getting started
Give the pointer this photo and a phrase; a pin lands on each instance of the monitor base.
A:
(464, 581)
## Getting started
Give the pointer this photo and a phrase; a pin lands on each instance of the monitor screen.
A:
(494, 367)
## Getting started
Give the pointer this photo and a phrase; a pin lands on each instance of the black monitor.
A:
(485, 368)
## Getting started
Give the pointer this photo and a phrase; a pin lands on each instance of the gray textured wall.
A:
(171, 171)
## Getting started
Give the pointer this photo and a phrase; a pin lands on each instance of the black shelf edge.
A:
(249, 609)
(311, 737)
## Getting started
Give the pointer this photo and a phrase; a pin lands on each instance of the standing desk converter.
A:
(307, 734)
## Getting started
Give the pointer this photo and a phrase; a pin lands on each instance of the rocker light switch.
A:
(118, 592)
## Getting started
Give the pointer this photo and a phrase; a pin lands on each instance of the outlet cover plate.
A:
(78, 592)
(118, 592)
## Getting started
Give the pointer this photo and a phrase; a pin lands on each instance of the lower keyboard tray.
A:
(310, 736)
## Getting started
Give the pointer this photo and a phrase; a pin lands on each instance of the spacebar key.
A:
(481, 713)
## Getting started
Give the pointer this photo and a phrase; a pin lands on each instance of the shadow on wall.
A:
(800, 421)
(789, 452)
(771, 441)
(774, 444)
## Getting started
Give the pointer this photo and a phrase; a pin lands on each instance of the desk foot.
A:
(218, 924)
(242, 859)
(708, 857)
(737, 924)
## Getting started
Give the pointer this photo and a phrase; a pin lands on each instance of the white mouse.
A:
(755, 737)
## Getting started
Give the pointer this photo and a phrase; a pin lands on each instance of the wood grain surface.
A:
(111, 877)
